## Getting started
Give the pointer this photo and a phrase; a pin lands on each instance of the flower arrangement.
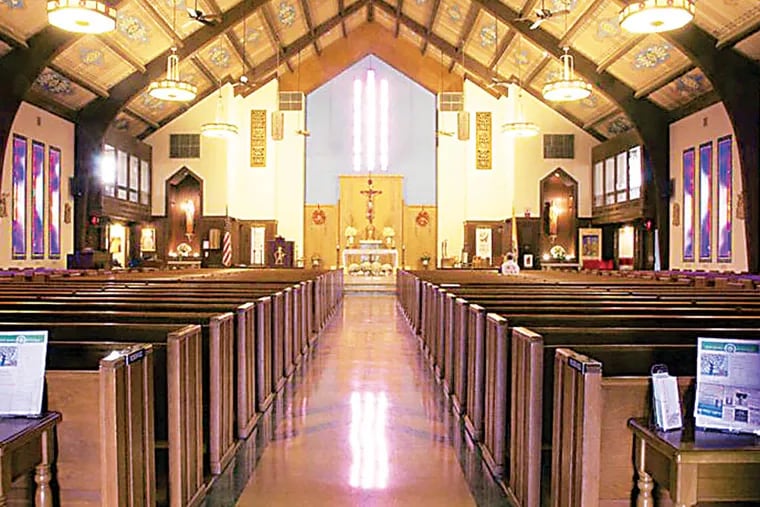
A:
(388, 232)
(350, 231)
(558, 252)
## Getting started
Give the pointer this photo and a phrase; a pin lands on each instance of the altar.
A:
(370, 251)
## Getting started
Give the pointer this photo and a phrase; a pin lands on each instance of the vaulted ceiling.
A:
(105, 78)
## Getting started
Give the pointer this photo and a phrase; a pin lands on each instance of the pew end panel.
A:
(496, 395)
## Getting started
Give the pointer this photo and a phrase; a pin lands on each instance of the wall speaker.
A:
(75, 187)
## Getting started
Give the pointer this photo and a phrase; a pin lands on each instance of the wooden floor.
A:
(366, 425)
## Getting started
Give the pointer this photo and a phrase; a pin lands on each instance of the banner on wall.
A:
(483, 245)
(258, 138)
(483, 140)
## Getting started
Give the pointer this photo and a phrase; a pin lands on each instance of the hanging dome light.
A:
(653, 16)
(567, 88)
(219, 129)
(520, 129)
(81, 16)
(172, 88)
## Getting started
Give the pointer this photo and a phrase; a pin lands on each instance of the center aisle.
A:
(364, 424)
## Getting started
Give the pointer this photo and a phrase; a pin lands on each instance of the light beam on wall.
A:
(384, 111)
(371, 120)
(357, 125)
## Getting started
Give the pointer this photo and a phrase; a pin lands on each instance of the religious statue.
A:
(189, 208)
(554, 212)
(279, 256)
(369, 231)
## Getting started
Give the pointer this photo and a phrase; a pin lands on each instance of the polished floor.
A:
(362, 423)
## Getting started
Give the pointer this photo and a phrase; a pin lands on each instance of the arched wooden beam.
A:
(21, 67)
(737, 81)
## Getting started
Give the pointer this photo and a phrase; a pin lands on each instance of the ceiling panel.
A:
(614, 125)
(129, 124)
(153, 109)
(61, 90)
(331, 36)
(601, 36)
(258, 47)
(225, 5)
(322, 10)
(485, 38)
(137, 33)
(356, 20)
(520, 59)
(385, 19)
(418, 10)
(23, 18)
(558, 24)
(221, 58)
(412, 37)
(589, 108)
(683, 90)
(648, 62)
(189, 72)
(288, 19)
(750, 47)
(450, 18)
(516, 4)
(89, 58)
(549, 72)
(174, 13)
(723, 18)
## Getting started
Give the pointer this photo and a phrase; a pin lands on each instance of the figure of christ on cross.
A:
(370, 193)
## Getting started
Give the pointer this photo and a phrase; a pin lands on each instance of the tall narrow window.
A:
(134, 178)
(725, 174)
(609, 181)
(38, 200)
(688, 205)
(18, 240)
(122, 174)
(357, 125)
(599, 184)
(54, 203)
(705, 201)
(108, 170)
(370, 123)
(621, 179)
(144, 182)
(634, 172)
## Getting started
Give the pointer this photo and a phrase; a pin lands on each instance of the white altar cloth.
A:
(359, 255)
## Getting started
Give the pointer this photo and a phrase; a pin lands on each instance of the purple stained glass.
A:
(705, 202)
(18, 241)
(54, 202)
(38, 200)
(725, 174)
(688, 205)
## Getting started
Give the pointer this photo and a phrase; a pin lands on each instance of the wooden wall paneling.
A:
(417, 239)
(320, 240)
(388, 205)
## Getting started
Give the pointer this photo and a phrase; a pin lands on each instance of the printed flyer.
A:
(22, 372)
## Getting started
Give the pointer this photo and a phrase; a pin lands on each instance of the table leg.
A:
(645, 482)
(43, 496)
(684, 485)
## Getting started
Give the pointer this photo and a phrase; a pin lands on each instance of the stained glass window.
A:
(18, 241)
(54, 203)
(725, 173)
(38, 200)
(688, 205)
(705, 201)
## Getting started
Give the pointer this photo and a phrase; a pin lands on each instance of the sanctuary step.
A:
(369, 284)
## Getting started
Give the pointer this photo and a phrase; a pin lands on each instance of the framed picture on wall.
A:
(590, 241)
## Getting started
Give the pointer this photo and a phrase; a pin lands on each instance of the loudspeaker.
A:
(75, 187)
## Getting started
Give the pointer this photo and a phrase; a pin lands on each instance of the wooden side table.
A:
(26, 445)
(695, 465)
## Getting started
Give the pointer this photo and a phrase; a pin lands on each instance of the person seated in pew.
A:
(510, 267)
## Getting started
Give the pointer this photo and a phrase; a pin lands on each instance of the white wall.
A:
(275, 191)
(706, 125)
(465, 193)
(39, 125)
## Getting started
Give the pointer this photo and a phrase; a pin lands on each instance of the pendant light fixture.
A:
(172, 88)
(219, 129)
(567, 88)
(654, 16)
(518, 127)
(81, 16)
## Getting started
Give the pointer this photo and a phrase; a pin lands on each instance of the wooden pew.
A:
(105, 442)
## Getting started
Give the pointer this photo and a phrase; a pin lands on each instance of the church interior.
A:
(294, 207)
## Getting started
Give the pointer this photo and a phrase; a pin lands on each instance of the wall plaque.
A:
(258, 138)
(483, 140)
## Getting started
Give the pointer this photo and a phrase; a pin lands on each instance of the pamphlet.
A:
(728, 385)
(667, 402)
(22, 372)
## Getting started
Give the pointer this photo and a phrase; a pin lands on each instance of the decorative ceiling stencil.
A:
(520, 59)
(418, 11)
(257, 45)
(591, 108)
(129, 124)
(649, 64)
(615, 126)
(55, 87)
(14, 4)
(556, 25)
(132, 28)
(725, 18)
(450, 18)
(652, 56)
(94, 62)
(485, 38)
(137, 33)
(683, 90)
(454, 12)
(221, 59)
(600, 36)
(287, 19)
(286, 14)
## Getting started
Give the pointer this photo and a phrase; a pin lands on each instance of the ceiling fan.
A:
(543, 14)
(196, 14)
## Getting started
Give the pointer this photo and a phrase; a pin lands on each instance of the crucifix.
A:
(370, 193)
